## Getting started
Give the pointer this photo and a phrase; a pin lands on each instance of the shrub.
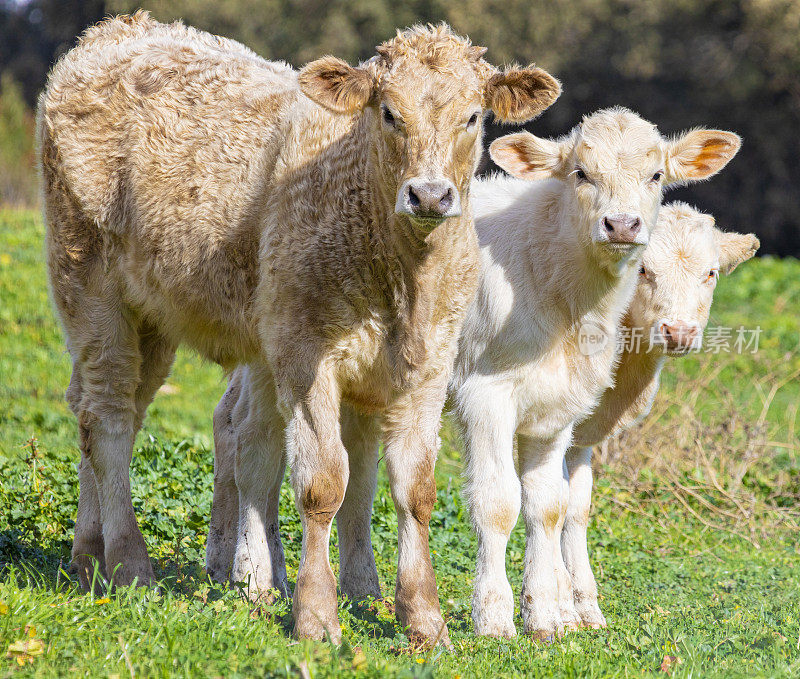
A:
(17, 174)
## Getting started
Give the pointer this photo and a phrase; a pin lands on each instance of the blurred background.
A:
(732, 64)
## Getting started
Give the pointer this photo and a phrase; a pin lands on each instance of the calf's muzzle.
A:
(428, 199)
(678, 335)
(622, 228)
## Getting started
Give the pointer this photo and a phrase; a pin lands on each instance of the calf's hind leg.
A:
(573, 538)
(87, 545)
(221, 544)
(258, 559)
(358, 576)
(108, 357)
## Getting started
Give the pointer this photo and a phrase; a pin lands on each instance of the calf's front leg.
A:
(541, 470)
(493, 494)
(573, 538)
(411, 448)
(319, 470)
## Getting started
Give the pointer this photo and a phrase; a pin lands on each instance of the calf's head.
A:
(678, 275)
(425, 93)
(614, 167)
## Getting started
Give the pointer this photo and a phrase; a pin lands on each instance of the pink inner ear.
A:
(336, 85)
(711, 154)
(510, 157)
(514, 158)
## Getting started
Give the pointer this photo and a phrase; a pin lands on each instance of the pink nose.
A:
(622, 228)
(679, 336)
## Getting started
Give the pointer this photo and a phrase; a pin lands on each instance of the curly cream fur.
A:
(197, 193)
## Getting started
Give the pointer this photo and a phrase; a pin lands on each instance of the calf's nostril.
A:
(636, 225)
(446, 201)
(413, 198)
(609, 226)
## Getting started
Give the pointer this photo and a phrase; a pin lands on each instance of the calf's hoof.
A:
(262, 597)
(282, 585)
(594, 622)
(256, 583)
(544, 636)
(90, 571)
(591, 617)
(546, 631)
(357, 589)
(219, 563)
(497, 630)
(316, 625)
(494, 623)
(427, 631)
(127, 561)
(542, 622)
(217, 573)
(493, 610)
(133, 571)
(315, 607)
(572, 621)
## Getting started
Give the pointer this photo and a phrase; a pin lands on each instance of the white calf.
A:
(560, 261)
(667, 317)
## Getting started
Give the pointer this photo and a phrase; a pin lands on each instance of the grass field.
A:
(694, 540)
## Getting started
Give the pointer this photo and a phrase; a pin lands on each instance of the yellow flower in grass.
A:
(25, 650)
(100, 602)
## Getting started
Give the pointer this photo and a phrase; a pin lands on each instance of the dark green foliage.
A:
(730, 64)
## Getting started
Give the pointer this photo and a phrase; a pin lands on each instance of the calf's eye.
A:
(473, 121)
(642, 271)
(580, 174)
(388, 118)
(657, 177)
(712, 275)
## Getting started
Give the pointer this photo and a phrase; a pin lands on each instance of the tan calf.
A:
(676, 284)
(314, 226)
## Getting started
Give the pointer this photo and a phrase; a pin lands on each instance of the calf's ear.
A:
(336, 85)
(734, 248)
(699, 154)
(527, 157)
(520, 94)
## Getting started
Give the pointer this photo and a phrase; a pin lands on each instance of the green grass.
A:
(694, 539)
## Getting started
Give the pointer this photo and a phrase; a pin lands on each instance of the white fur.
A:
(548, 272)
(676, 285)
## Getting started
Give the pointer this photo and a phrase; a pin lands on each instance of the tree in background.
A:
(16, 145)
(732, 64)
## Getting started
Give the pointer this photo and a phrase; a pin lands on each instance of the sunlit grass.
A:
(694, 539)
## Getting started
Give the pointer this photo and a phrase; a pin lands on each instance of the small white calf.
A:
(667, 317)
(560, 261)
